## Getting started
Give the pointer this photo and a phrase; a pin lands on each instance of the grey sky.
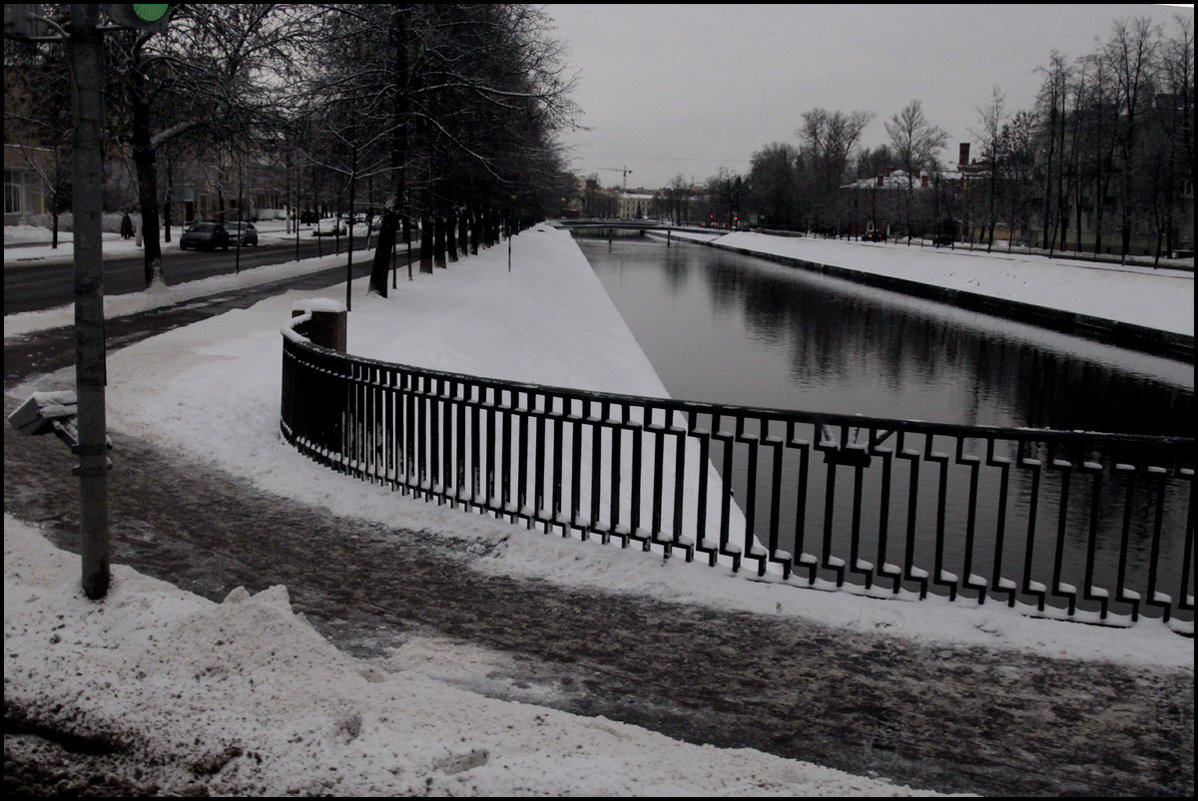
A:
(671, 89)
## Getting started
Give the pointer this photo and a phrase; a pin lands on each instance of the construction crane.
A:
(624, 170)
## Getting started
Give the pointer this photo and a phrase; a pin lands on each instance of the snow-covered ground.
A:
(185, 675)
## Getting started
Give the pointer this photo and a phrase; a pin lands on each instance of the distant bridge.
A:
(636, 225)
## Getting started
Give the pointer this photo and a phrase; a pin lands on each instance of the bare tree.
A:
(677, 199)
(37, 119)
(468, 98)
(773, 181)
(207, 72)
(1097, 117)
(1175, 120)
(722, 201)
(992, 117)
(827, 140)
(1130, 52)
(915, 144)
(1051, 106)
(1016, 164)
(874, 162)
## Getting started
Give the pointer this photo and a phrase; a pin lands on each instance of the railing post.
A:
(328, 324)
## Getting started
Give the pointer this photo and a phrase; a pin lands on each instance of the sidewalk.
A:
(951, 719)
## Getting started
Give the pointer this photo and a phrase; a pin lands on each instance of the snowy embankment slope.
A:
(1160, 299)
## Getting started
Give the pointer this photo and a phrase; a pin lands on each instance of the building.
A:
(634, 205)
(949, 201)
(26, 191)
(877, 203)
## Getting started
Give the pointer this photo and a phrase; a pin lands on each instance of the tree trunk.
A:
(147, 187)
(451, 242)
(399, 153)
(439, 241)
(426, 244)
(382, 252)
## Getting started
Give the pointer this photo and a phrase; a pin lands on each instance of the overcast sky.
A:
(683, 89)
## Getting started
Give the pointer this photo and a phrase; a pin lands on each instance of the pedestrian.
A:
(126, 227)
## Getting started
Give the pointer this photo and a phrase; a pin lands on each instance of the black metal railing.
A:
(1094, 527)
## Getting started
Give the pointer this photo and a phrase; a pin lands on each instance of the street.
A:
(44, 284)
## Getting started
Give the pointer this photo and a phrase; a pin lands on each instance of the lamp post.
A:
(85, 52)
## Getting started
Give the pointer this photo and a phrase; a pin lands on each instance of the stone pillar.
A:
(328, 325)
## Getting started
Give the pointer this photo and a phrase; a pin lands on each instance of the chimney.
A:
(963, 159)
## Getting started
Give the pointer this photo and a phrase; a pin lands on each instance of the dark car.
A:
(942, 240)
(874, 236)
(308, 217)
(242, 233)
(204, 236)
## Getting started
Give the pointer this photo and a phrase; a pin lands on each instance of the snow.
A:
(249, 686)
(1160, 298)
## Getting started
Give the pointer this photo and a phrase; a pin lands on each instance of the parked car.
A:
(942, 240)
(204, 236)
(242, 233)
(308, 217)
(359, 218)
(874, 236)
(330, 228)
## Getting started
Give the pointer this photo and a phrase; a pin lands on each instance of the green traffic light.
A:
(151, 12)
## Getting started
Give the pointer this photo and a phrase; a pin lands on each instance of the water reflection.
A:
(734, 329)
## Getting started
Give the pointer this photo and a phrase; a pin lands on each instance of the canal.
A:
(726, 328)
(732, 329)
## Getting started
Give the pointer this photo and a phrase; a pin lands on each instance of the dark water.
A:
(733, 329)
(727, 328)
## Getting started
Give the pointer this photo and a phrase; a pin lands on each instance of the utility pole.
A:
(85, 51)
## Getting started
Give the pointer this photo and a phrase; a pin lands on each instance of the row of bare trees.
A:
(453, 108)
(419, 110)
(797, 186)
(1103, 161)
(1112, 140)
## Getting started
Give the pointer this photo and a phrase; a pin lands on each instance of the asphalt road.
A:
(45, 284)
(944, 718)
